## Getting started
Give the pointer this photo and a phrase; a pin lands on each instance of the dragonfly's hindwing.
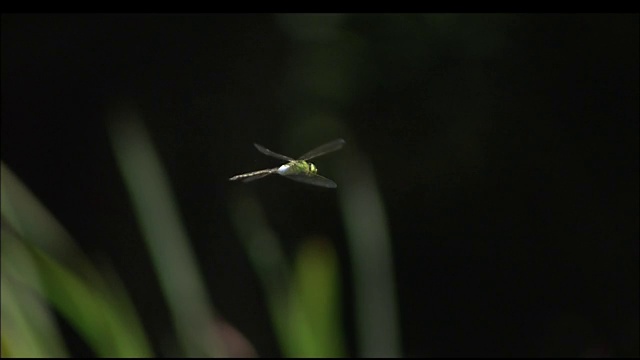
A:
(313, 180)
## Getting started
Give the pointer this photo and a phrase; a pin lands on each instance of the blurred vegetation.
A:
(487, 200)
(44, 274)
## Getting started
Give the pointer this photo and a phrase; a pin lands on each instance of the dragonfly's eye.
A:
(313, 168)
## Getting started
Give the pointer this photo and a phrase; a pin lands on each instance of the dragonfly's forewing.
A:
(313, 180)
(268, 152)
(323, 149)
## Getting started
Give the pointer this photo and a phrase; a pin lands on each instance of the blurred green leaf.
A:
(369, 241)
(28, 325)
(316, 284)
(41, 265)
(165, 236)
(303, 301)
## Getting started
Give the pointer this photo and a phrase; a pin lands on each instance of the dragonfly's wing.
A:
(255, 175)
(313, 180)
(268, 152)
(323, 149)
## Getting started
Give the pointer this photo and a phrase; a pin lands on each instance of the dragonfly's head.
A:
(313, 168)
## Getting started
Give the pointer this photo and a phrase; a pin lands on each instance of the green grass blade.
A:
(39, 255)
(303, 301)
(28, 325)
(165, 237)
(316, 284)
(378, 329)
(269, 262)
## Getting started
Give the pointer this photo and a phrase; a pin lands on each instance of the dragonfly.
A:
(299, 169)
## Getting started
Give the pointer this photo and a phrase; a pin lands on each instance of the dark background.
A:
(505, 148)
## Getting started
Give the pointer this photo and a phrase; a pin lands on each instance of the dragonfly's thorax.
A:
(297, 167)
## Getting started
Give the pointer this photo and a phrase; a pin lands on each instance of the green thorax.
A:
(297, 167)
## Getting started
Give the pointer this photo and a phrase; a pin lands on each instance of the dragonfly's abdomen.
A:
(297, 167)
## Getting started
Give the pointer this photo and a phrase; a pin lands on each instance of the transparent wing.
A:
(313, 180)
(323, 149)
(268, 152)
